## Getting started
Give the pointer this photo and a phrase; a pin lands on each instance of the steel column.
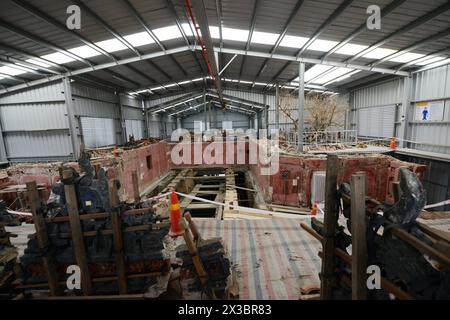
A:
(277, 107)
(406, 102)
(71, 118)
(301, 104)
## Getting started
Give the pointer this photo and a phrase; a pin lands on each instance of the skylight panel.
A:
(264, 38)
(345, 76)
(407, 57)
(332, 75)
(379, 53)
(293, 41)
(315, 71)
(214, 31)
(139, 39)
(111, 45)
(187, 29)
(322, 45)
(234, 34)
(439, 63)
(428, 60)
(84, 51)
(38, 63)
(11, 71)
(58, 57)
(351, 49)
(167, 33)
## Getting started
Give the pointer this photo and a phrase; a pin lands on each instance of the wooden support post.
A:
(76, 232)
(359, 244)
(137, 195)
(42, 237)
(203, 276)
(118, 237)
(192, 226)
(331, 201)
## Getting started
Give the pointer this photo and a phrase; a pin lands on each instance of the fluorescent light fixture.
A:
(428, 60)
(322, 45)
(84, 52)
(264, 38)
(111, 45)
(58, 57)
(338, 72)
(315, 71)
(293, 41)
(351, 49)
(139, 39)
(167, 33)
(185, 82)
(170, 85)
(197, 79)
(407, 57)
(260, 84)
(11, 71)
(379, 53)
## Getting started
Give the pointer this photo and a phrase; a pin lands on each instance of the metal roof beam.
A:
(336, 13)
(144, 25)
(31, 56)
(280, 37)
(97, 67)
(180, 28)
(45, 17)
(120, 77)
(250, 34)
(105, 25)
(314, 61)
(416, 23)
(202, 20)
(362, 28)
(414, 46)
(41, 41)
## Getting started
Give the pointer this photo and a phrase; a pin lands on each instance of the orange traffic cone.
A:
(393, 144)
(314, 209)
(115, 152)
(175, 216)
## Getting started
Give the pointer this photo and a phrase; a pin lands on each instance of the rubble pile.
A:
(8, 253)
(216, 264)
(144, 253)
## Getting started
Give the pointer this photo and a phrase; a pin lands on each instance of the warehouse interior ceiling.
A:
(162, 47)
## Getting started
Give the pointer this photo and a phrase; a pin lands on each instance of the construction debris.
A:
(8, 253)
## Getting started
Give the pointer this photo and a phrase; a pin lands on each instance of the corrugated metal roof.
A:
(271, 16)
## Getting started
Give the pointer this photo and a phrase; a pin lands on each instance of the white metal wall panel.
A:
(376, 121)
(49, 92)
(94, 93)
(135, 128)
(131, 113)
(37, 145)
(127, 100)
(432, 84)
(98, 132)
(34, 116)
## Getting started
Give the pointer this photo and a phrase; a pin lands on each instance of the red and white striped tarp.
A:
(273, 258)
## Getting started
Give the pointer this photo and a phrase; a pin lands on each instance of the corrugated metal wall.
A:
(240, 121)
(35, 125)
(428, 85)
(133, 116)
(35, 121)
(96, 103)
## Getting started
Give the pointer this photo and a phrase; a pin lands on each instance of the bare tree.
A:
(322, 111)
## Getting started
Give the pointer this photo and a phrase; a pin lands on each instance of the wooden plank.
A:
(203, 276)
(331, 201)
(201, 206)
(193, 227)
(135, 180)
(359, 244)
(118, 237)
(76, 232)
(42, 237)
